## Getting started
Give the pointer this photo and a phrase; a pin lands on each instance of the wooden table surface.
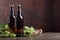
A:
(44, 36)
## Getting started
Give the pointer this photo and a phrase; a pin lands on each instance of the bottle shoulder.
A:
(14, 16)
(19, 17)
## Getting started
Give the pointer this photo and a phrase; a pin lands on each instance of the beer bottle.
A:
(12, 19)
(19, 22)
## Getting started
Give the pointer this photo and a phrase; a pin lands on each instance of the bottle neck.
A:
(12, 11)
(19, 11)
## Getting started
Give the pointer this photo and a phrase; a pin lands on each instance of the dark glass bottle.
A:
(19, 22)
(12, 19)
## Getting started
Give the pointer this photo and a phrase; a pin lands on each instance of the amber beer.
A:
(19, 22)
(12, 19)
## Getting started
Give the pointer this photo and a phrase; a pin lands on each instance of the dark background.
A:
(43, 14)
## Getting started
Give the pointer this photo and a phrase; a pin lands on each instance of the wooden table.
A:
(44, 36)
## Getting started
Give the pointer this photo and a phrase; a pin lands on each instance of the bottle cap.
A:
(12, 5)
(19, 5)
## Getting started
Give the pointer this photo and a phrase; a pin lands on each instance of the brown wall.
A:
(57, 16)
(35, 12)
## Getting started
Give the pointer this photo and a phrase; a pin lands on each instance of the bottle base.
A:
(19, 35)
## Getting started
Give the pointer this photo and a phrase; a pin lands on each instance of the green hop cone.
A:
(12, 35)
(1, 35)
(6, 32)
(6, 35)
(28, 31)
(26, 27)
(6, 26)
(31, 30)
(2, 26)
(1, 32)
